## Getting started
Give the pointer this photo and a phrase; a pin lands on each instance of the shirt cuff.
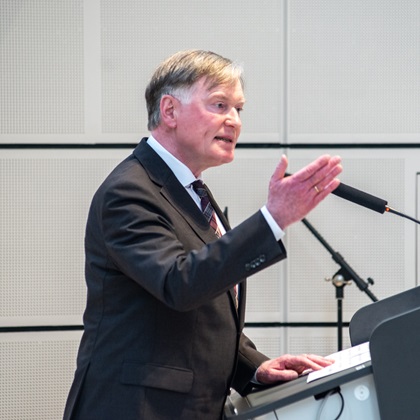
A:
(275, 228)
(254, 379)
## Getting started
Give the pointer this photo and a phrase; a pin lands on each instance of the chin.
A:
(220, 161)
(227, 159)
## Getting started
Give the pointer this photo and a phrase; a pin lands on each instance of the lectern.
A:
(386, 388)
(392, 327)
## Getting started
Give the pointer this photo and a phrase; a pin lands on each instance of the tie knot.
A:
(199, 188)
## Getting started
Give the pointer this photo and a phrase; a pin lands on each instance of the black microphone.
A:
(359, 197)
(366, 200)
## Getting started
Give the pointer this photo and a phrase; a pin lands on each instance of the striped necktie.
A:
(210, 215)
(206, 206)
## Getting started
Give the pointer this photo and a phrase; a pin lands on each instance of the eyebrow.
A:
(226, 98)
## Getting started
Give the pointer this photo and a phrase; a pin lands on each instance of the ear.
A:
(167, 110)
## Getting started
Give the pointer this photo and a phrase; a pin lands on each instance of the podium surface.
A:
(298, 399)
(386, 388)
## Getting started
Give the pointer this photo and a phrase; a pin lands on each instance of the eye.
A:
(239, 110)
(220, 105)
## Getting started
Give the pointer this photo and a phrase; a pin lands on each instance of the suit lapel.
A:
(173, 191)
(181, 201)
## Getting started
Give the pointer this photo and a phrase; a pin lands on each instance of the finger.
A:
(308, 171)
(326, 174)
(317, 362)
(324, 186)
(303, 362)
(320, 360)
(285, 375)
(274, 375)
(322, 192)
(318, 177)
(281, 167)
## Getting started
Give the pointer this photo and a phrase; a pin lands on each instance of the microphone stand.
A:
(340, 279)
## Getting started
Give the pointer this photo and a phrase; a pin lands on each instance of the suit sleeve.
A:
(144, 233)
(249, 358)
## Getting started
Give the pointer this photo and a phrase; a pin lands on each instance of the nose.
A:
(233, 118)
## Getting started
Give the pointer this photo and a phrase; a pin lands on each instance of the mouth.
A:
(224, 139)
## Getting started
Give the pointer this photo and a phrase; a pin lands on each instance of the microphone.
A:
(359, 197)
(366, 200)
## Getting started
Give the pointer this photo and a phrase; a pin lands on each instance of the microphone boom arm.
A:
(346, 270)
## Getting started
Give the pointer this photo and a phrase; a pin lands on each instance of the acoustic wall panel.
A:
(381, 246)
(322, 341)
(274, 342)
(41, 67)
(76, 71)
(136, 36)
(36, 374)
(46, 195)
(242, 187)
(353, 71)
(270, 341)
(45, 199)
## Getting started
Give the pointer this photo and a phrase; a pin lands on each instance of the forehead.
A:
(232, 90)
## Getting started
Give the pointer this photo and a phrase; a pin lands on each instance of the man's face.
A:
(208, 125)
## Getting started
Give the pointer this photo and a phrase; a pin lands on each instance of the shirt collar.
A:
(181, 171)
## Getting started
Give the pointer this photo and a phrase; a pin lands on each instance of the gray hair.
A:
(179, 73)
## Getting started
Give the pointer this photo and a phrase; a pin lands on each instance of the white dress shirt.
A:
(186, 178)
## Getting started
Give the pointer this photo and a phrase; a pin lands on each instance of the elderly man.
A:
(165, 272)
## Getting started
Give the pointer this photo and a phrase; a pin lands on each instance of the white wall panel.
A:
(131, 48)
(275, 341)
(322, 341)
(270, 341)
(45, 196)
(353, 71)
(381, 246)
(76, 71)
(37, 369)
(242, 187)
(299, 340)
(137, 36)
(41, 67)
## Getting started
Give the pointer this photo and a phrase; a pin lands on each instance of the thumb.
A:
(281, 167)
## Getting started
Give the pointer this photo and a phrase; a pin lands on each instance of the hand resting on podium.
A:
(288, 367)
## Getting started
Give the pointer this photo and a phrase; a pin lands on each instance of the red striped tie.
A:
(206, 206)
(210, 215)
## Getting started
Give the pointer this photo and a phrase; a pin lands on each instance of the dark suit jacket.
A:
(163, 338)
